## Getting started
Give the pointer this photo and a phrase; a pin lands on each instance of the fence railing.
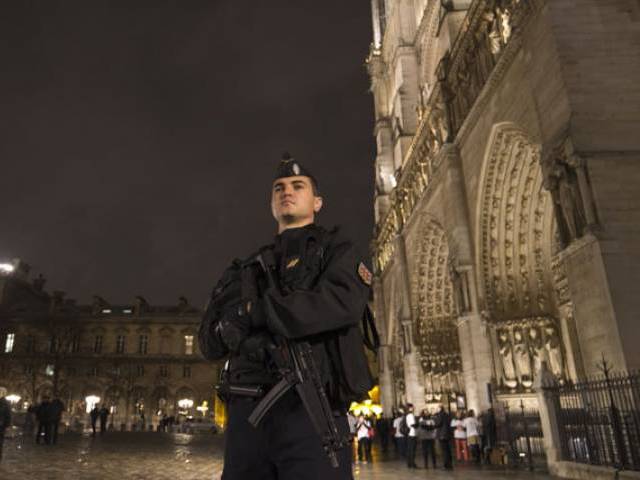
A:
(520, 432)
(599, 420)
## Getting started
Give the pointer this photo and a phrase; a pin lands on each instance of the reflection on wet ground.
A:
(164, 456)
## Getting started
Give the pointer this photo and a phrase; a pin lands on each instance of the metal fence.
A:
(520, 434)
(599, 420)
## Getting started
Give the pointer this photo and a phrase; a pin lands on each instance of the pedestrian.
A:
(411, 423)
(443, 434)
(56, 409)
(399, 438)
(427, 438)
(104, 414)
(382, 428)
(363, 426)
(308, 289)
(5, 420)
(43, 412)
(352, 421)
(473, 436)
(460, 437)
(93, 415)
(490, 432)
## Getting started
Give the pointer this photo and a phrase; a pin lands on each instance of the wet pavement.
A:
(165, 456)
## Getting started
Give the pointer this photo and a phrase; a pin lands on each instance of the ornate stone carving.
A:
(565, 178)
(506, 355)
(554, 350)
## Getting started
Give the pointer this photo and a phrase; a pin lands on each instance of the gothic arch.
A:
(515, 228)
(516, 241)
(436, 333)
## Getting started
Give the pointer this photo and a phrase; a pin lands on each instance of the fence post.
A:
(549, 416)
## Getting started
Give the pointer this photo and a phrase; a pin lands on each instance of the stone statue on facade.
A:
(522, 357)
(506, 355)
(537, 348)
(554, 350)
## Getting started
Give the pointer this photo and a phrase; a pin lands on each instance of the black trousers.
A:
(285, 445)
(445, 446)
(44, 428)
(364, 449)
(54, 431)
(429, 451)
(411, 451)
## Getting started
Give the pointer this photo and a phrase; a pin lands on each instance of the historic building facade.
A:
(506, 204)
(140, 361)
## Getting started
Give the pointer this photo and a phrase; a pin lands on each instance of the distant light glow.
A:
(13, 398)
(185, 403)
(126, 310)
(106, 310)
(91, 402)
(8, 344)
(6, 268)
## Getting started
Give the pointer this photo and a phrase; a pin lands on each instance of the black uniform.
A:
(322, 297)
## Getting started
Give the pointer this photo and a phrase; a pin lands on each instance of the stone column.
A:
(548, 408)
(384, 369)
(475, 348)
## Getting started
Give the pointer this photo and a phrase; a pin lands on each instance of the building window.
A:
(53, 344)
(164, 372)
(28, 369)
(140, 370)
(8, 343)
(186, 371)
(97, 346)
(31, 344)
(75, 344)
(188, 344)
(120, 344)
(93, 372)
(143, 344)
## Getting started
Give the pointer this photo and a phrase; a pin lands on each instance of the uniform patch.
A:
(293, 262)
(365, 275)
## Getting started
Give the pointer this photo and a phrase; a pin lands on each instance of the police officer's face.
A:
(293, 200)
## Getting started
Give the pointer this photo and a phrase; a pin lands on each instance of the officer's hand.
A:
(234, 327)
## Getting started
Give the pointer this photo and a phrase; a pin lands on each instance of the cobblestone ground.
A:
(163, 456)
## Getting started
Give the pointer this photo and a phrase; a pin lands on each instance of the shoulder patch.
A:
(365, 275)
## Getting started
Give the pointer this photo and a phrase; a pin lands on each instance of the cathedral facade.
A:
(506, 204)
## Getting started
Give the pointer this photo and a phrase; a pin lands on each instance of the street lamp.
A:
(13, 398)
(185, 403)
(6, 268)
(91, 401)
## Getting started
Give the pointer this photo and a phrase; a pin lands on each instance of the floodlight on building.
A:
(91, 401)
(204, 408)
(7, 268)
(13, 398)
(185, 403)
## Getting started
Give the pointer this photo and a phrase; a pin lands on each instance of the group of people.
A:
(48, 414)
(438, 435)
(98, 413)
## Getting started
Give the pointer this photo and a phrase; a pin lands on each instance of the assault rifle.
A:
(297, 369)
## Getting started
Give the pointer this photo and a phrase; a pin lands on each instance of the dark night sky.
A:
(138, 139)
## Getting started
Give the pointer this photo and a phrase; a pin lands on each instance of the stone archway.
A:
(435, 315)
(517, 239)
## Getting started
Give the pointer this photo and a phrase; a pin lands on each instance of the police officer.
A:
(321, 297)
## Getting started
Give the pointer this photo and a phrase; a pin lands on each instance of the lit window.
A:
(8, 344)
(97, 346)
(164, 372)
(120, 344)
(49, 370)
(188, 344)
(186, 371)
(126, 310)
(143, 344)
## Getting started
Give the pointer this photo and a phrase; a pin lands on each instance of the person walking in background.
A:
(473, 436)
(382, 428)
(490, 432)
(460, 437)
(56, 409)
(352, 420)
(443, 434)
(43, 412)
(93, 415)
(363, 425)
(411, 423)
(399, 439)
(5, 420)
(104, 414)
(427, 438)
